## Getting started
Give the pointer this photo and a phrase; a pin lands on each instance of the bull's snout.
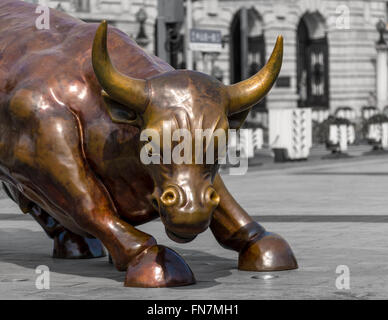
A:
(187, 212)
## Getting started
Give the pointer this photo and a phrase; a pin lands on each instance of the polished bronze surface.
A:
(158, 266)
(73, 101)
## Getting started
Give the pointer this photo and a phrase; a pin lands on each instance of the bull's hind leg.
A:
(67, 245)
(258, 249)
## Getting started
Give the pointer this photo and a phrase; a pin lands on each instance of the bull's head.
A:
(184, 193)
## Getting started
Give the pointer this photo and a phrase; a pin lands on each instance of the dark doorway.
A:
(312, 64)
(247, 48)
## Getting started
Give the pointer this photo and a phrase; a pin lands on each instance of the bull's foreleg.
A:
(147, 264)
(234, 229)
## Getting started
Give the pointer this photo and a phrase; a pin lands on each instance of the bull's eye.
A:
(155, 204)
(207, 175)
(122, 114)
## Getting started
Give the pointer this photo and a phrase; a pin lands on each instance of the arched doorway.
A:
(312, 62)
(247, 48)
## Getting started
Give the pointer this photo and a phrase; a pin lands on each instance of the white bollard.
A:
(351, 134)
(246, 143)
(384, 135)
(291, 129)
(333, 134)
(258, 139)
(378, 132)
(343, 137)
(373, 132)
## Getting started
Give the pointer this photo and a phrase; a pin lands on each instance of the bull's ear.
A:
(120, 113)
(236, 120)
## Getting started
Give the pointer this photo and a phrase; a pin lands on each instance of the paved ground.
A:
(332, 213)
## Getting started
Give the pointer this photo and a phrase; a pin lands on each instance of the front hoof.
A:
(269, 252)
(158, 266)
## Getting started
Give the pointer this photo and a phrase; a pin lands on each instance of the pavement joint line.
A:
(318, 166)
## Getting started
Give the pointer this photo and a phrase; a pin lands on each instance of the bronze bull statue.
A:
(72, 106)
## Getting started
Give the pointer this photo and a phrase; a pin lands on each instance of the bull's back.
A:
(63, 51)
(55, 64)
(51, 70)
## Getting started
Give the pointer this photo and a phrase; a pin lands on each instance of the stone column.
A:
(382, 75)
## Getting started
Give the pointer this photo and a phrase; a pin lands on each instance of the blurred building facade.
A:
(330, 56)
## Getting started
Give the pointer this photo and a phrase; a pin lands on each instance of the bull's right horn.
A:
(128, 91)
(245, 94)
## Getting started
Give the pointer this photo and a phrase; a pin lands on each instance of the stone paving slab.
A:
(311, 198)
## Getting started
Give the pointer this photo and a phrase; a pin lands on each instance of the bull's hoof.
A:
(68, 245)
(156, 267)
(269, 252)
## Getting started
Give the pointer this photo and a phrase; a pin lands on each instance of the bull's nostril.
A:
(212, 196)
(169, 197)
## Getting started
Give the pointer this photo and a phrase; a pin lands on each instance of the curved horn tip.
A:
(124, 89)
(279, 42)
(278, 50)
(248, 92)
(102, 28)
(278, 45)
(102, 24)
(100, 36)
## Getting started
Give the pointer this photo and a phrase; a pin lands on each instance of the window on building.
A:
(82, 5)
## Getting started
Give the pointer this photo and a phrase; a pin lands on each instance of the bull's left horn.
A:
(246, 93)
(129, 91)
